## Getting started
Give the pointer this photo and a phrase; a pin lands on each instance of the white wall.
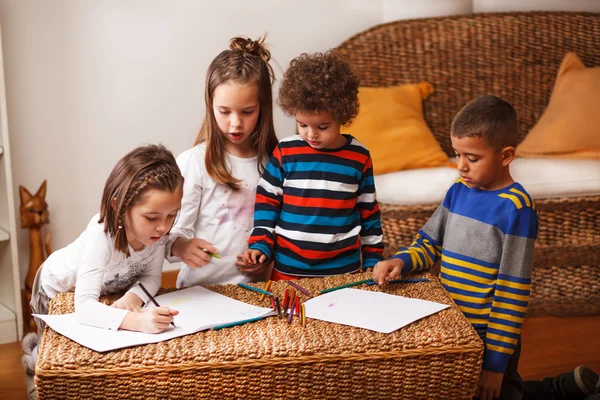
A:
(405, 9)
(88, 80)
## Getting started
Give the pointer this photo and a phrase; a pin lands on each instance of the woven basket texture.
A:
(438, 357)
(515, 56)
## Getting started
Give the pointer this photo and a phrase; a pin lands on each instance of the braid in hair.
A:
(143, 169)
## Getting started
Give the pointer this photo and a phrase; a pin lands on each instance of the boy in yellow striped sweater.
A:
(484, 234)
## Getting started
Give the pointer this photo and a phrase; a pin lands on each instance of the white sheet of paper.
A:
(376, 311)
(199, 309)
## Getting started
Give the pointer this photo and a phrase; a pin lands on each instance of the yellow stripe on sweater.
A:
(523, 195)
(509, 306)
(470, 277)
(512, 198)
(464, 287)
(514, 285)
(506, 317)
(466, 264)
(504, 328)
(513, 296)
(499, 349)
(501, 338)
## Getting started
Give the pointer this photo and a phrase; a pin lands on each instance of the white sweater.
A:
(217, 214)
(92, 267)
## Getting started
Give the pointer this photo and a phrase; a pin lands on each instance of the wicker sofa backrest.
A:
(511, 55)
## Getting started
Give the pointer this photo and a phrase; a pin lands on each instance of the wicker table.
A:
(438, 357)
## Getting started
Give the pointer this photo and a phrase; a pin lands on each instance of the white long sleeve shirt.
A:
(217, 214)
(92, 267)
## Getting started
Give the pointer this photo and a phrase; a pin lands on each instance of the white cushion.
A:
(543, 178)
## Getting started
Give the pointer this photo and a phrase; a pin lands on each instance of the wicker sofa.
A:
(514, 56)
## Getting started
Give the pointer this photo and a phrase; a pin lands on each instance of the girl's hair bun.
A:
(252, 47)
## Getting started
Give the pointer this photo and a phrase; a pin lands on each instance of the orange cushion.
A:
(390, 124)
(570, 126)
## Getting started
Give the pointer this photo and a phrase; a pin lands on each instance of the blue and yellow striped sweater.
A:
(485, 241)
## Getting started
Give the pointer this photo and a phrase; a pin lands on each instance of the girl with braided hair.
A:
(121, 246)
(224, 167)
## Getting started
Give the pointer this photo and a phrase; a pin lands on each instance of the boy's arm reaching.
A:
(371, 235)
(513, 285)
(426, 249)
(269, 196)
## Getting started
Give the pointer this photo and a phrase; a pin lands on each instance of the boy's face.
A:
(320, 130)
(481, 165)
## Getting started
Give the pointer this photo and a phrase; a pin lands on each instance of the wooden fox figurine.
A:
(34, 214)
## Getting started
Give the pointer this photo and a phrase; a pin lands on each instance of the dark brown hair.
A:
(142, 169)
(246, 61)
(489, 117)
(320, 82)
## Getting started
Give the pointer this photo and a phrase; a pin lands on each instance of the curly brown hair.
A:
(320, 82)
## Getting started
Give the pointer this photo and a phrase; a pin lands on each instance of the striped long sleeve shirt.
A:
(316, 212)
(485, 241)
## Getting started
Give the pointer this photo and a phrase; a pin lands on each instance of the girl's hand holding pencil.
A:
(194, 252)
(149, 320)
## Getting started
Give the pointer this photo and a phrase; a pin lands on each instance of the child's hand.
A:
(193, 252)
(252, 257)
(385, 271)
(129, 301)
(149, 320)
(250, 269)
(490, 383)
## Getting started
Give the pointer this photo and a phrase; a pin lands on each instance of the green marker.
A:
(347, 285)
(213, 255)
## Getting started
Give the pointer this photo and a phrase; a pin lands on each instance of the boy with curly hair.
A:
(316, 213)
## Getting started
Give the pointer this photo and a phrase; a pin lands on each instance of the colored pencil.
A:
(331, 289)
(213, 255)
(278, 307)
(267, 286)
(286, 299)
(292, 298)
(257, 290)
(242, 322)
(152, 298)
(298, 308)
(303, 315)
(272, 303)
(299, 288)
(414, 280)
(291, 314)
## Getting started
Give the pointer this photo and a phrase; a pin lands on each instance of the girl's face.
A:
(152, 217)
(236, 108)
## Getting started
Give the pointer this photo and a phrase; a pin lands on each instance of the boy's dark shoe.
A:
(580, 383)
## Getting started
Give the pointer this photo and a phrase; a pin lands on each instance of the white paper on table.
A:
(199, 309)
(376, 311)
